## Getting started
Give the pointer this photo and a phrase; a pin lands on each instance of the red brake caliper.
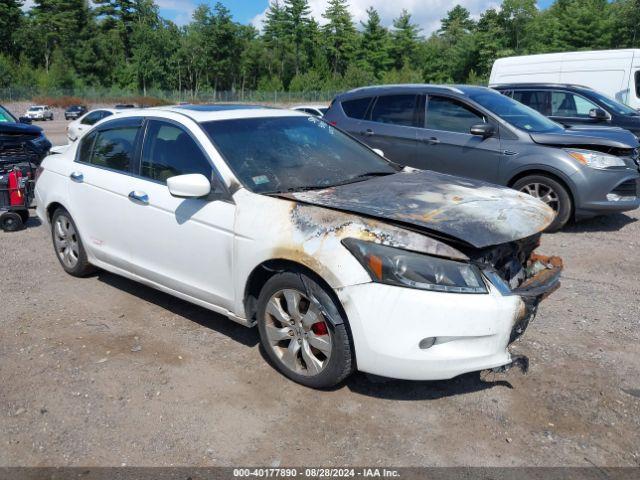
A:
(320, 328)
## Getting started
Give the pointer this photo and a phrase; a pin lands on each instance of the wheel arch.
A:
(546, 173)
(261, 274)
(52, 207)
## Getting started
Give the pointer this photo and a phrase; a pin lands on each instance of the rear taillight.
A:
(333, 124)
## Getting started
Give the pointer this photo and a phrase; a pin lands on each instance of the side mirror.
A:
(378, 151)
(26, 120)
(598, 114)
(194, 185)
(484, 130)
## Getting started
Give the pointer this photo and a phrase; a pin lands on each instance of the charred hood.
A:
(473, 212)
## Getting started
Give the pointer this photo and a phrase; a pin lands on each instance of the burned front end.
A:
(515, 269)
(22, 144)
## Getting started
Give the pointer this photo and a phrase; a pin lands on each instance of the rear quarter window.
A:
(356, 108)
(638, 83)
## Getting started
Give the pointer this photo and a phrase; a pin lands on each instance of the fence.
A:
(93, 95)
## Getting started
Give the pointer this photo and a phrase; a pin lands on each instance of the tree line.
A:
(126, 44)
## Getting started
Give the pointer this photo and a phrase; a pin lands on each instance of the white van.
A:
(613, 72)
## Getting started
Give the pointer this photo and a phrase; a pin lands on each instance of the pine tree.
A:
(374, 47)
(340, 35)
(405, 41)
(297, 22)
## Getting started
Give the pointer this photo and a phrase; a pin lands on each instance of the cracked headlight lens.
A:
(598, 160)
(394, 266)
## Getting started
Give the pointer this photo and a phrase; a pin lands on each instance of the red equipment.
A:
(16, 187)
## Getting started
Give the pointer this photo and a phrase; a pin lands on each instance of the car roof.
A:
(411, 87)
(207, 113)
(545, 85)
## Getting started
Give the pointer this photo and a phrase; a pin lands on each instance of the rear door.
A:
(185, 244)
(98, 189)
(392, 126)
(447, 146)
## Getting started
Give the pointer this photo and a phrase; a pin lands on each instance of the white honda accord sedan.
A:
(274, 218)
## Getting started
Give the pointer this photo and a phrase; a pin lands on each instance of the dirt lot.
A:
(102, 371)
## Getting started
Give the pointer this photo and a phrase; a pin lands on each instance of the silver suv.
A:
(477, 132)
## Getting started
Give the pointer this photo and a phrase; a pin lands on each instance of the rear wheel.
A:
(68, 245)
(296, 334)
(551, 192)
(11, 222)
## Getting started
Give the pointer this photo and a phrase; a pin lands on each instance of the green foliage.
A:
(125, 45)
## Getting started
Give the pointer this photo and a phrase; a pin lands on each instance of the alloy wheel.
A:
(544, 193)
(65, 239)
(297, 332)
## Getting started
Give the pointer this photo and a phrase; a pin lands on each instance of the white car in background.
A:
(315, 110)
(78, 127)
(275, 218)
(39, 112)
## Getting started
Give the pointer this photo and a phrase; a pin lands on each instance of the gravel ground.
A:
(102, 372)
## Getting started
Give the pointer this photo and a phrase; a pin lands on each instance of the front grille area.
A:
(18, 153)
(626, 189)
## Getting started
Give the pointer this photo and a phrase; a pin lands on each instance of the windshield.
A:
(517, 114)
(614, 105)
(35, 109)
(6, 117)
(281, 154)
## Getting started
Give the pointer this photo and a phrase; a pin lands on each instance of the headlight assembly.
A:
(594, 159)
(394, 266)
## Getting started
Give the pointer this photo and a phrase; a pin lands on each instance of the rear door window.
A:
(396, 110)
(114, 149)
(450, 115)
(356, 108)
(169, 151)
(567, 104)
(538, 100)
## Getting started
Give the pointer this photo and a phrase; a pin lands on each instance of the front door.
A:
(185, 244)
(447, 146)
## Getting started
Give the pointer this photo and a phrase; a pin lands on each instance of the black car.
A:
(74, 112)
(20, 141)
(574, 105)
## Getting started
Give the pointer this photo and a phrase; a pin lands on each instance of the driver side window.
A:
(169, 151)
(565, 104)
(450, 115)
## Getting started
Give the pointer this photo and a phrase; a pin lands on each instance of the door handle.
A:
(76, 177)
(368, 133)
(139, 197)
(431, 140)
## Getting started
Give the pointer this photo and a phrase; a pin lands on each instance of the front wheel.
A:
(68, 245)
(297, 334)
(551, 192)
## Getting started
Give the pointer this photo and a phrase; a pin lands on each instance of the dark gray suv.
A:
(477, 132)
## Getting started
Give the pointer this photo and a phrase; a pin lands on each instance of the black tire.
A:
(11, 222)
(24, 215)
(81, 267)
(563, 205)
(340, 363)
